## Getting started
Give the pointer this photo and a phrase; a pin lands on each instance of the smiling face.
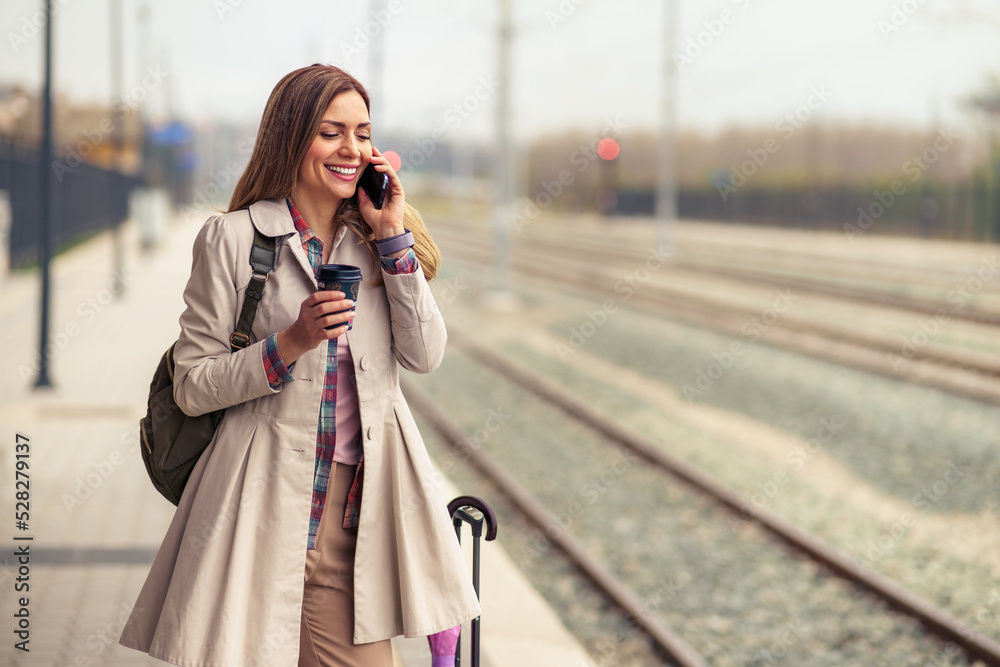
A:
(339, 153)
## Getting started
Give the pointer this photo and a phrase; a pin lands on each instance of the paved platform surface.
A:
(95, 521)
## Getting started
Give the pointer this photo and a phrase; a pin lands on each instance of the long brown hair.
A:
(290, 122)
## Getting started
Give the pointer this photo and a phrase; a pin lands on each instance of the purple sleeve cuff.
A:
(274, 365)
(442, 661)
(398, 265)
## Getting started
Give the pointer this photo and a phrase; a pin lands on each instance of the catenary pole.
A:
(376, 56)
(666, 193)
(504, 180)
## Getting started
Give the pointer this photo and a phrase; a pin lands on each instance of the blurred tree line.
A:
(883, 179)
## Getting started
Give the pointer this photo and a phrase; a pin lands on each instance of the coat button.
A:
(370, 433)
(365, 362)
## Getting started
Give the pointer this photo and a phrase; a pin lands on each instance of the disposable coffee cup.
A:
(340, 278)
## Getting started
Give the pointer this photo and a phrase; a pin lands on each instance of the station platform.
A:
(95, 520)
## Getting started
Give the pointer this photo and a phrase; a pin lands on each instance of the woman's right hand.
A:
(318, 311)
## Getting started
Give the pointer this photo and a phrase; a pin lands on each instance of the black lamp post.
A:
(45, 223)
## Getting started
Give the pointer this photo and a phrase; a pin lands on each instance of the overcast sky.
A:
(576, 63)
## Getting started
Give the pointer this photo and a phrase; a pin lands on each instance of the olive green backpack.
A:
(171, 440)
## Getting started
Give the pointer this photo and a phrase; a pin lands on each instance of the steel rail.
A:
(669, 642)
(761, 276)
(815, 338)
(937, 620)
(599, 279)
(908, 304)
(920, 306)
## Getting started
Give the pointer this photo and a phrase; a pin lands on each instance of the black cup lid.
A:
(344, 273)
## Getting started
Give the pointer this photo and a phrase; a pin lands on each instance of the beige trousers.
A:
(328, 601)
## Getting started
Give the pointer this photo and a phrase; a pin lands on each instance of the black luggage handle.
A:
(457, 511)
(477, 524)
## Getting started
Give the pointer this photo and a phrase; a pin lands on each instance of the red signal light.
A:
(608, 148)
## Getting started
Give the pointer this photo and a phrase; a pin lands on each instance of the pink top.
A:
(347, 449)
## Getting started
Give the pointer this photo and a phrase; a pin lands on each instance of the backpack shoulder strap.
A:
(261, 262)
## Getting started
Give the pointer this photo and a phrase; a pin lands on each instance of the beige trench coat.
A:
(226, 586)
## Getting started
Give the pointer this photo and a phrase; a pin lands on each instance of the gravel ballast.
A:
(856, 485)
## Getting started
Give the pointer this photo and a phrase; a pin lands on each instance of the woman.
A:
(311, 530)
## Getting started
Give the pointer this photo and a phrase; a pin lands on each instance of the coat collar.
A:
(271, 217)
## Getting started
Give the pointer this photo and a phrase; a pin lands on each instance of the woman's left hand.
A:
(388, 220)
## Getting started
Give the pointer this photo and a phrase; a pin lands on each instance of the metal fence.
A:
(967, 211)
(86, 200)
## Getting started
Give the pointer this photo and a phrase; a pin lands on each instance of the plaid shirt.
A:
(326, 431)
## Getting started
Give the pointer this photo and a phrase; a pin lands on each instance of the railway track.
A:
(937, 278)
(956, 372)
(669, 642)
(757, 272)
(934, 619)
(754, 257)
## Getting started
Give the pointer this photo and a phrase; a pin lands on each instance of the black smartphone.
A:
(375, 183)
